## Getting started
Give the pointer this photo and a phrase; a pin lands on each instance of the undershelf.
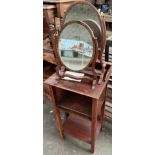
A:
(79, 127)
(75, 103)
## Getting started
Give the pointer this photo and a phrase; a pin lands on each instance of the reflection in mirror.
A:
(75, 47)
(82, 12)
(96, 30)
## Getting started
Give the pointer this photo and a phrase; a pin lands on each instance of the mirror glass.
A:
(75, 47)
(82, 12)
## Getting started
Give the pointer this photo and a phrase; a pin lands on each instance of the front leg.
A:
(94, 124)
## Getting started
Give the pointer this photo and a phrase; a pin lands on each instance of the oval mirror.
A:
(85, 11)
(76, 48)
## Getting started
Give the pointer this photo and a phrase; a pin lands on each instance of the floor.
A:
(53, 145)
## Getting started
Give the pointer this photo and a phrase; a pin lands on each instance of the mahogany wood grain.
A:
(83, 105)
(75, 103)
(56, 112)
(77, 87)
(94, 124)
(80, 127)
(103, 107)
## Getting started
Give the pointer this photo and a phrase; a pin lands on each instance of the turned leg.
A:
(94, 124)
(102, 110)
(102, 115)
(58, 122)
(56, 112)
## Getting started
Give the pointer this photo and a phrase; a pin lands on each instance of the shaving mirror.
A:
(82, 11)
(80, 43)
(76, 46)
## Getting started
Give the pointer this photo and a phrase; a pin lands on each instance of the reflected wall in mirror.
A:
(75, 46)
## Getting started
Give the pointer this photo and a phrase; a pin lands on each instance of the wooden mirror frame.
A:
(61, 68)
(92, 37)
(54, 35)
(103, 35)
(101, 21)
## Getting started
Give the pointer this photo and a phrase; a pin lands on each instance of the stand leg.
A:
(94, 124)
(102, 109)
(102, 115)
(58, 121)
(56, 112)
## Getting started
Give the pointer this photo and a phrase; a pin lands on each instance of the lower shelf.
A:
(79, 127)
(77, 104)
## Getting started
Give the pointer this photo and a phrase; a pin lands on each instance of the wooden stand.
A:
(84, 106)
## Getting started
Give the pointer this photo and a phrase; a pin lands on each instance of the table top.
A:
(76, 87)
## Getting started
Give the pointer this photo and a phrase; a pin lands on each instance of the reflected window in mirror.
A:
(75, 47)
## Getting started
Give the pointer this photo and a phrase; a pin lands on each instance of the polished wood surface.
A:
(83, 106)
(80, 88)
(78, 104)
(80, 128)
